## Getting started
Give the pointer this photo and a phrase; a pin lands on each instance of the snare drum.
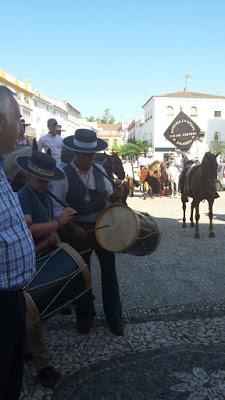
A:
(62, 276)
(127, 231)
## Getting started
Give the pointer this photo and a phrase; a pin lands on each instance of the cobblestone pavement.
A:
(174, 307)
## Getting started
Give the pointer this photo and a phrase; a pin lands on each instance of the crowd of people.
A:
(31, 224)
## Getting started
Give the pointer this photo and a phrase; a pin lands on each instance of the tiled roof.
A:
(111, 127)
(188, 94)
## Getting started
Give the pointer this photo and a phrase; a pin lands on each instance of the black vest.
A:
(77, 191)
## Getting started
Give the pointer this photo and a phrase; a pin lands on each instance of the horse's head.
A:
(209, 166)
(112, 164)
(117, 166)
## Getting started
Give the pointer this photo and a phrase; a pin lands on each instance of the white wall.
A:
(157, 119)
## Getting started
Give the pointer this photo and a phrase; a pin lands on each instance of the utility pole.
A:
(187, 75)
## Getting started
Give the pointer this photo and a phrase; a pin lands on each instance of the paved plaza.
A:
(174, 310)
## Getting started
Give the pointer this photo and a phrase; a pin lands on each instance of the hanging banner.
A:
(182, 131)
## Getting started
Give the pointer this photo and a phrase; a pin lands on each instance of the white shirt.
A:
(60, 188)
(198, 150)
(54, 142)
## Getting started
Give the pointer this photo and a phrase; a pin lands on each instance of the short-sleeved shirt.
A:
(54, 142)
(17, 255)
(38, 205)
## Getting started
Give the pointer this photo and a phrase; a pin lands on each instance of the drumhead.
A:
(122, 228)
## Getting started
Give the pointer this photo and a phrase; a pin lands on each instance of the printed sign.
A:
(182, 131)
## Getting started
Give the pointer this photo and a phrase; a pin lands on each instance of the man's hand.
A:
(66, 216)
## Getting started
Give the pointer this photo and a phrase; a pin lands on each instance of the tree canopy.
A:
(107, 117)
(133, 150)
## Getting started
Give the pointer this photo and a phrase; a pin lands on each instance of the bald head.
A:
(9, 120)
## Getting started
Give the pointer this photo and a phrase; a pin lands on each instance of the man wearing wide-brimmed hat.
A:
(52, 140)
(86, 189)
(59, 130)
(37, 207)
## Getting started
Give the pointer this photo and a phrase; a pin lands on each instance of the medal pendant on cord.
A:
(87, 197)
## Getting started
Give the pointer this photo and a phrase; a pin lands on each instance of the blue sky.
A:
(98, 54)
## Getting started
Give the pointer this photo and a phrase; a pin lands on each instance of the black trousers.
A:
(12, 343)
(110, 289)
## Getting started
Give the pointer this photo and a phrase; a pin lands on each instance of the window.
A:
(216, 136)
(26, 99)
(193, 112)
(169, 110)
(217, 114)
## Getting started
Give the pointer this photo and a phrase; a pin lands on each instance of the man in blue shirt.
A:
(17, 257)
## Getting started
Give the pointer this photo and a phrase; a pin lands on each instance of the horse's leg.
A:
(197, 216)
(192, 211)
(184, 209)
(173, 188)
(211, 233)
(143, 190)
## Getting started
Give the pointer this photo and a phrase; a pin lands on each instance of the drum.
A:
(62, 276)
(127, 231)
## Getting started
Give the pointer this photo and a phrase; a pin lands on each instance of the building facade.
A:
(113, 134)
(206, 110)
(36, 108)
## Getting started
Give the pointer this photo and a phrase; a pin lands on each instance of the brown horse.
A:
(198, 182)
(151, 176)
(164, 180)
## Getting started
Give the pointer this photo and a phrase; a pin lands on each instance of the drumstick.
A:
(56, 199)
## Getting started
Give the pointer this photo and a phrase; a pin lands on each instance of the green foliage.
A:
(91, 118)
(107, 118)
(133, 150)
(143, 146)
(218, 147)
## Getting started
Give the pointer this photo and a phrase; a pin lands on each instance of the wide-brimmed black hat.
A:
(201, 134)
(85, 141)
(41, 165)
(59, 128)
(22, 121)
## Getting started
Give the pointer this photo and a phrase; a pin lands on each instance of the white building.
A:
(36, 108)
(206, 110)
(46, 107)
(136, 132)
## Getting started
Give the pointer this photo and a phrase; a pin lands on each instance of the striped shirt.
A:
(17, 254)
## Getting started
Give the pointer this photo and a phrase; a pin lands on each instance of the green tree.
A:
(107, 117)
(91, 118)
(218, 147)
(133, 150)
(143, 146)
